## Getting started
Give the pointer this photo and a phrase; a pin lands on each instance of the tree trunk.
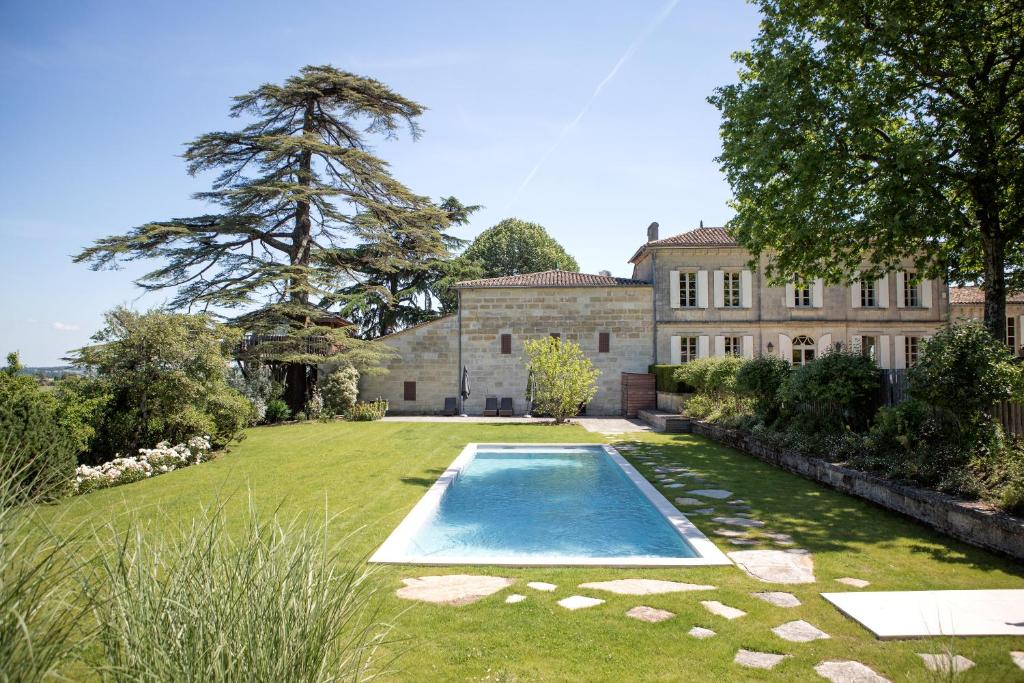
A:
(296, 386)
(994, 254)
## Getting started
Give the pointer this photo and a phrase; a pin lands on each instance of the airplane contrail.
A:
(633, 47)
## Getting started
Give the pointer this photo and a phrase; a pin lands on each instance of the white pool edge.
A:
(391, 551)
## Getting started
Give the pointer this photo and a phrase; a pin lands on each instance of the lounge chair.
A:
(451, 406)
(491, 406)
(506, 408)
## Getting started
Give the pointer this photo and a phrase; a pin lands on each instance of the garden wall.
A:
(971, 522)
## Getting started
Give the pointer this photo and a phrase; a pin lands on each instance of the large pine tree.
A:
(295, 185)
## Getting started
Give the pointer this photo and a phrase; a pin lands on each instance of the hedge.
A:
(665, 379)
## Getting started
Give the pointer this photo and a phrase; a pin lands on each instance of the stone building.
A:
(692, 295)
(968, 303)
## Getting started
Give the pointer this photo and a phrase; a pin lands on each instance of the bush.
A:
(835, 392)
(716, 399)
(315, 405)
(81, 403)
(340, 390)
(762, 379)
(258, 386)
(562, 379)
(368, 411)
(277, 411)
(665, 379)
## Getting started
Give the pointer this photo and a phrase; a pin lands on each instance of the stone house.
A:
(968, 303)
(692, 295)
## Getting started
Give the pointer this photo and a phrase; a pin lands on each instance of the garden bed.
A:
(972, 522)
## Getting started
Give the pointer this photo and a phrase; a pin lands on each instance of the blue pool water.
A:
(554, 501)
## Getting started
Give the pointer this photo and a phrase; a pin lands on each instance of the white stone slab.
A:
(721, 610)
(575, 602)
(514, 598)
(541, 586)
(701, 633)
(849, 671)
(799, 632)
(738, 521)
(688, 501)
(1018, 659)
(730, 533)
(451, 589)
(645, 586)
(719, 494)
(856, 583)
(758, 660)
(776, 566)
(778, 599)
(649, 614)
(945, 662)
(922, 614)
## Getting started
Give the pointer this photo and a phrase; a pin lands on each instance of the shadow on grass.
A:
(821, 519)
(426, 481)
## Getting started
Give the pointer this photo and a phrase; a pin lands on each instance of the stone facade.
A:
(968, 303)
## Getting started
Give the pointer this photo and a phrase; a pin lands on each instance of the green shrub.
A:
(665, 379)
(561, 378)
(277, 411)
(81, 403)
(340, 390)
(762, 379)
(365, 411)
(716, 398)
(835, 392)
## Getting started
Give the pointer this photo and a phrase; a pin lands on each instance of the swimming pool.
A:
(545, 505)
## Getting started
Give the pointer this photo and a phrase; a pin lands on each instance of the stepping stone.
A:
(644, 586)
(674, 486)
(701, 633)
(701, 511)
(514, 598)
(576, 602)
(779, 599)
(649, 614)
(743, 541)
(451, 589)
(1018, 659)
(739, 521)
(781, 539)
(946, 663)
(856, 583)
(758, 660)
(718, 494)
(541, 586)
(799, 632)
(737, 501)
(688, 501)
(731, 533)
(776, 566)
(849, 671)
(721, 610)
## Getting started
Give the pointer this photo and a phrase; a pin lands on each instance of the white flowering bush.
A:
(148, 463)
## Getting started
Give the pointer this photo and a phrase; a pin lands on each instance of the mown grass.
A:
(371, 474)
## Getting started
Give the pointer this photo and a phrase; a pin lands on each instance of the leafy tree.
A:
(396, 273)
(514, 247)
(341, 390)
(167, 377)
(562, 379)
(293, 185)
(882, 130)
(762, 378)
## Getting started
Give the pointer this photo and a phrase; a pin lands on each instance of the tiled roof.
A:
(976, 295)
(552, 278)
(698, 237)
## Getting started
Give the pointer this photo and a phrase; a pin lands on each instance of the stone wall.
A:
(973, 523)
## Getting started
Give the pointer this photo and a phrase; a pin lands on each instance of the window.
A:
(803, 350)
(409, 391)
(868, 344)
(733, 346)
(1011, 334)
(868, 298)
(801, 296)
(911, 290)
(688, 290)
(603, 342)
(556, 335)
(912, 346)
(731, 290)
(506, 344)
(687, 349)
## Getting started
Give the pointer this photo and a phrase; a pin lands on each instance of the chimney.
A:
(606, 273)
(652, 232)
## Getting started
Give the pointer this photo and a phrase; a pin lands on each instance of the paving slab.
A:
(688, 501)
(739, 521)
(649, 614)
(645, 586)
(1018, 659)
(743, 541)
(542, 586)
(721, 610)
(799, 631)
(514, 598)
(849, 671)
(451, 589)
(701, 511)
(730, 533)
(575, 602)
(779, 599)
(701, 633)
(856, 583)
(758, 660)
(719, 494)
(922, 614)
(776, 566)
(945, 662)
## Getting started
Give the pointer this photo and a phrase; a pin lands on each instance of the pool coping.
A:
(391, 551)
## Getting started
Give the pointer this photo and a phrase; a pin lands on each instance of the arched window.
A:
(803, 350)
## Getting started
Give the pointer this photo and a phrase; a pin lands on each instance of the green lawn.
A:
(371, 474)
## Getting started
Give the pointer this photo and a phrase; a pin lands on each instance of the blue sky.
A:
(100, 96)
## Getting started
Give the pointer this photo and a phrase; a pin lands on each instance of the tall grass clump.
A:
(274, 603)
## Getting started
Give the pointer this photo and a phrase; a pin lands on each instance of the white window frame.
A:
(689, 290)
(802, 296)
(803, 350)
(911, 290)
(732, 289)
(911, 349)
(688, 349)
(1011, 333)
(868, 293)
(732, 346)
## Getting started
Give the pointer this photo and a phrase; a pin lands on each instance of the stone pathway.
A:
(514, 598)
(701, 633)
(758, 660)
(649, 614)
(721, 610)
(452, 589)
(541, 586)
(719, 494)
(575, 602)
(799, 632)
(701, 511)
(645, 586)
(730, 533)
(1018, 659)
(776, 566)
(856, 583)
(743, 541)
(848, 671)
(688, 501)
(778, 599)
(739, 521)
(946, 663)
